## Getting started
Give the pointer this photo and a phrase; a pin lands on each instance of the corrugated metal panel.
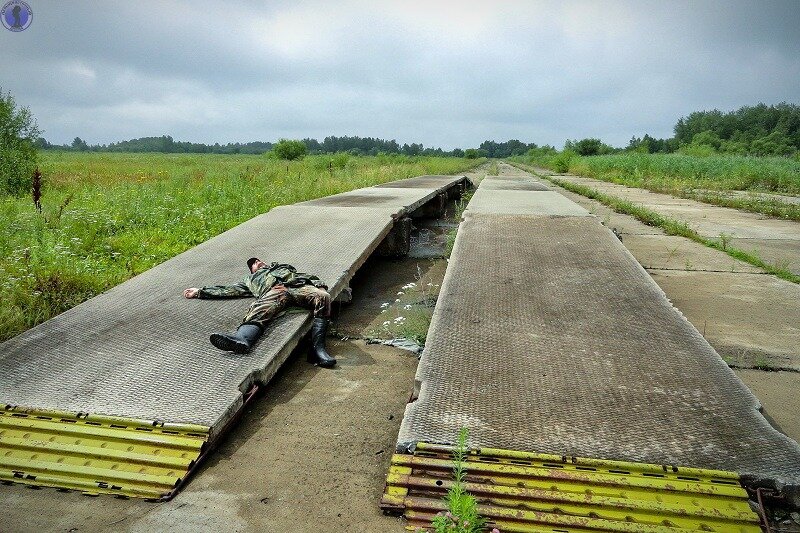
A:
(96, 454)
(526, 492)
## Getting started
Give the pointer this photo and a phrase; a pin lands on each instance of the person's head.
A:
(254, 263)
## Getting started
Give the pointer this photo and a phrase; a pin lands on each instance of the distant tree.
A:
(588, 147)
(457, 152)
(757, 130)
(18, 135)
(79, 145)
(290, 149)
(41, 144)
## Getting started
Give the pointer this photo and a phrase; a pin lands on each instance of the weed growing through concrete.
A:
(462, 508)
(461, 206)
(494, 169)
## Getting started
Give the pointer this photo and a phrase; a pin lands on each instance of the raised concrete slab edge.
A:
(219, 254)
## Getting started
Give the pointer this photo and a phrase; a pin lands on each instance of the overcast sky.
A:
(441, 73)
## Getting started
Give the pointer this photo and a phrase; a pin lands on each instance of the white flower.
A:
(383, 311)
(386, 323)
(384, 305)
(400, 293)
(407, 307)
(397, 300)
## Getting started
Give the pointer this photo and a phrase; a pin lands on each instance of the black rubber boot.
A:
(245, 338)
(318, 355)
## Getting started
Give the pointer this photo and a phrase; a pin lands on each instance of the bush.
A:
(474, 153)
(589, 147)
(18, 133)
(562, 161)
(290, 149)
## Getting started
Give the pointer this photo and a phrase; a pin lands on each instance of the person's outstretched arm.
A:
(237, 290)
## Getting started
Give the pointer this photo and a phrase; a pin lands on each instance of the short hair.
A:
(250, 263)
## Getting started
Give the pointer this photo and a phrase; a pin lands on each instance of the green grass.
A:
(706, 179)
(674, 227)
(494, 169)
(107, 217)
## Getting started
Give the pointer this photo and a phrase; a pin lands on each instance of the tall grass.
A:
(707, 179)
(679, 171)
(675, 171)
(106, 217)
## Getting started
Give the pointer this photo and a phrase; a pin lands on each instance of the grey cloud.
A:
(445, 74)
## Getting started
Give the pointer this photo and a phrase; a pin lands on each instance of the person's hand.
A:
(191, 293)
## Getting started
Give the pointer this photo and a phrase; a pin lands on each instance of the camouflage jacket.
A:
(261, 281)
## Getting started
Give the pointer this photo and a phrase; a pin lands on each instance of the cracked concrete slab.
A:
(750, 319)
(778, 394)
(776, 241)
(668, 252)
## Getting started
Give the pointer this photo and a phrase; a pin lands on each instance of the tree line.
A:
(353, 145)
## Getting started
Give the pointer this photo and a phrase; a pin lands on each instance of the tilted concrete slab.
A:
(518, 184)
(438, 182)
(399, 200)
(141, 350)
(538, 203)
(549, 337)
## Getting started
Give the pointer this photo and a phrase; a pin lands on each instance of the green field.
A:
(107, 217)
(710, 179)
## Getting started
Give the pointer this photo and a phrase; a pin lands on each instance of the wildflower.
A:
(384, 305)
(386, 323)
(495, 530)
(400, 293)
(397, 300)
(407, 307)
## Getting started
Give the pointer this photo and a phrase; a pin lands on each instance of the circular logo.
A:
(16, 15)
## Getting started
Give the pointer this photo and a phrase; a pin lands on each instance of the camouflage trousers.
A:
(279, 298)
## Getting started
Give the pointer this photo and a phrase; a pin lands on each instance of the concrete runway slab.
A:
(752, 320)
(581, 355)
(532, 203)
(776, 241)
(784, 253)
(668, 252)
(437, 182)
(778, 389)
(530, 184)
(400, 201)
